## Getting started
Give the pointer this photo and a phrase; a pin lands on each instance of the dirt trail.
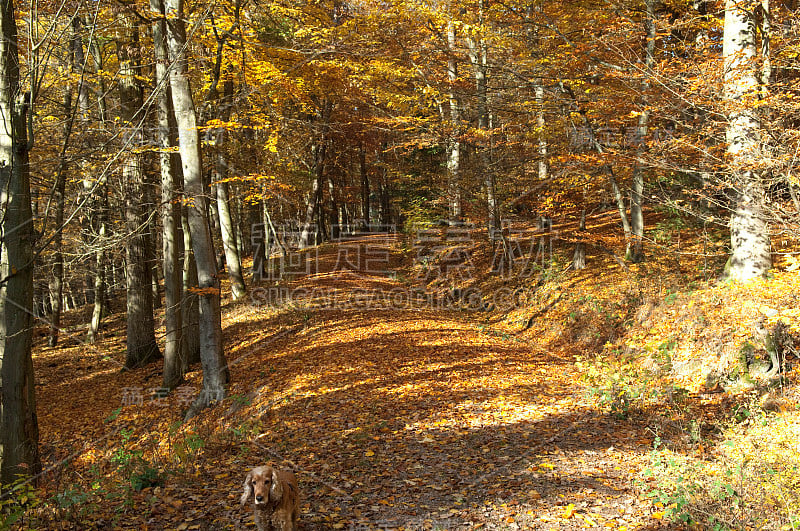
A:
(393, 414)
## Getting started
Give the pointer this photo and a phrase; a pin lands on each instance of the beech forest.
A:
(399, 265)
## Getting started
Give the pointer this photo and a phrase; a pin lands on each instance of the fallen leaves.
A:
(401, 418)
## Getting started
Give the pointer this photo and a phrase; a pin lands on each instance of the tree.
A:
(19, 430)
(635, 251)
(215, 369)
(454, 183)
(174, 358)
(232, 257)
(750, 242)
(141, 340)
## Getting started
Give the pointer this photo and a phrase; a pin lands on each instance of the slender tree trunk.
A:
(99, 288)
(97, 55)
(453, 144)
(174, 362)
(479, 56)
(141, 340)
(579, 256)
(386, 205)
(57, 282)
(260, 240)
(362, 166)
(333, 214)
(190, 311)
(242, 243)
(215, 369)
(540, 124)
(232, 258)
(19, 429)
(312, 225)
(751, 252)
(76, 60)
(635, 251)
(79, 64)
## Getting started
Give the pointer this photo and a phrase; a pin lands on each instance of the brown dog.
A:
(276, 498)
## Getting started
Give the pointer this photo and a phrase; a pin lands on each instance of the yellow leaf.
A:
(569, 512)
(369, 453)
(658, 515)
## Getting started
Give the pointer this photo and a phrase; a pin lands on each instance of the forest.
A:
(474, 264)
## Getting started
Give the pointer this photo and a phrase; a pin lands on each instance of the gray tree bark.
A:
(141, 339)
(635, 251)
(215, 369)
(362, 166)
(190, 311)
(171, 242)
(312, 229)
(453, 143)
(232, 259)
(540, 124)
(751, 252)
(57, 281)
(19, 429)
(479, 57)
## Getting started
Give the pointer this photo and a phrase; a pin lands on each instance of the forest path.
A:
(400, 411)
(393, 414)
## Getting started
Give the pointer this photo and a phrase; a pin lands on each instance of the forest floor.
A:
(398, 407)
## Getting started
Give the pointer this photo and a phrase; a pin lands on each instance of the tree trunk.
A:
(57, 281)
(579, 256)
(174, 362)
(19, 429)
(750, 242)
(232, 258)
(453, 143)
(362, 166)
(99, 287)
(479, 56)
(635, 251)
(333, 214)
(618, 197)
(215, 369)
(311, 227)
(190, 311)
(259, 239)
(76, 60)
(540, 124)
(141, 339)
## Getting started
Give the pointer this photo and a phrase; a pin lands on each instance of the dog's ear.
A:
(276, 489)
(248, 488)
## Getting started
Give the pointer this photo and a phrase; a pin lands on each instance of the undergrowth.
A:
(750, 479)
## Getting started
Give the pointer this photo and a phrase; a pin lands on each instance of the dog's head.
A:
(264, 485)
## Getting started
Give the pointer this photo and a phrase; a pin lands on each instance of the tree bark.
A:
(232, 259)
(312, 228)
(190, 311)
(579, 256)
(750, 242)
(174, 362)
(215, 369)
(19, 429)
(453, 143)
(99, 288)
(141, 339)
(479, 56)
(540, 124)
(57, 282)
(635, 251)
(333, 209)
(362, 166)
